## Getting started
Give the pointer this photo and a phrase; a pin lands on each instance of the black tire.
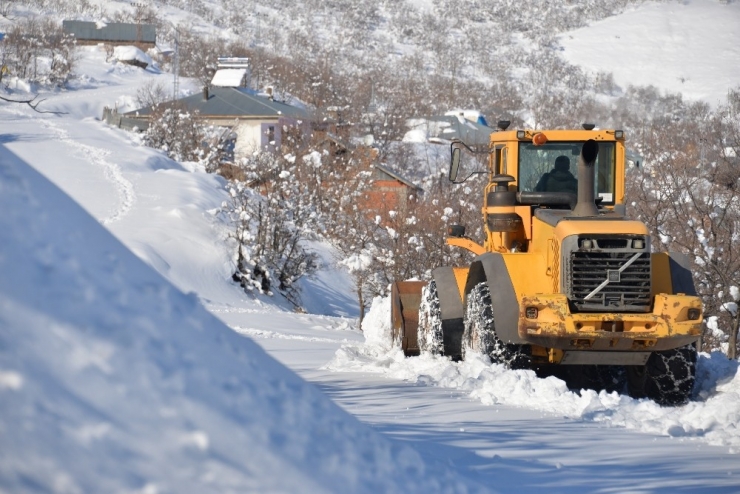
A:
(667, 378)
(429, 333)
(479, 335)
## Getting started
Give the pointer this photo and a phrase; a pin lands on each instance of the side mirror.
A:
(454, 164)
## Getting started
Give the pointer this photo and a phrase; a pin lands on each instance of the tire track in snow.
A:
(265, 334)
(97, 157)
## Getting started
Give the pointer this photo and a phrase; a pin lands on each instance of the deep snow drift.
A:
(112, 380)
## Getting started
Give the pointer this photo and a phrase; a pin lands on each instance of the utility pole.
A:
(176, 67)
(259, 15)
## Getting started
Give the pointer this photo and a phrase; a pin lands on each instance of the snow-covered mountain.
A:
(115, 376)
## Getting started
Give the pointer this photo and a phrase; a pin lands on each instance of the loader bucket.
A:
(405, 300)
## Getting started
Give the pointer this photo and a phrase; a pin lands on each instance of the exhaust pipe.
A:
(586, 205)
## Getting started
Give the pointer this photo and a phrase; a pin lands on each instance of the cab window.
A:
(553, 167)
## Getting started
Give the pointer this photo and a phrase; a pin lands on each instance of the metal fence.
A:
(112, 117)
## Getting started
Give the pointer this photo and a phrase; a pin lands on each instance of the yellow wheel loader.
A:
(563, 282)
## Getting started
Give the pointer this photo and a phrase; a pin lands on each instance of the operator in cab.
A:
(559, 179)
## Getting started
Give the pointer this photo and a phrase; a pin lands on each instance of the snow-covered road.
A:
(508, 448)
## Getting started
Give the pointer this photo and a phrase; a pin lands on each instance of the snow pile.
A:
(112, 380)
(132, 53)
(376, 326)
(377, 354)
(416, 136)
(713, 416)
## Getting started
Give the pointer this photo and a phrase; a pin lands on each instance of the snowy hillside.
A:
(688, 48)
(129, 361)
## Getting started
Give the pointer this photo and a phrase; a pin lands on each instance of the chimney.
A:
(586, 205)
(268, 90)
(205, 93)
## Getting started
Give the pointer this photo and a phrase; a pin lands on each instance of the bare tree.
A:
(32, 102)
(6, 7)
(689, 196)
(151, 93)
(38, 50)
(184, 137)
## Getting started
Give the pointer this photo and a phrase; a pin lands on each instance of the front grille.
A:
(626, 290)
(612, 243)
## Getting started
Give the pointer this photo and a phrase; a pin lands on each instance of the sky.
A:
(130, 363)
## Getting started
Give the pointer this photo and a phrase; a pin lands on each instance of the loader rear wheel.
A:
(480, 336)
(667, 378)
(429, 333)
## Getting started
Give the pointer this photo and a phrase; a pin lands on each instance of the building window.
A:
(271, 135)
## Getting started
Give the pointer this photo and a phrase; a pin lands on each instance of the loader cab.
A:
(517, 162)
(553, 167)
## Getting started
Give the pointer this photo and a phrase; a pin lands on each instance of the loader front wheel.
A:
(480, 336)
(667, 378)
(429, 333)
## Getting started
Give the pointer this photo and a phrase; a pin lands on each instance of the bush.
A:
(271, 217)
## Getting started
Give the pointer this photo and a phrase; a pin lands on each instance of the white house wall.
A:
(248, 138)
(255, 135)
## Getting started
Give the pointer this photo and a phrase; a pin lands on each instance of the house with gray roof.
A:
(112, 33)
(257, 120)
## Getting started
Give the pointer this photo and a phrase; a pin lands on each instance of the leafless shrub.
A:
(151, 94)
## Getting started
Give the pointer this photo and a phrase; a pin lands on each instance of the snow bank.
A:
(713, 416)
(112, 380)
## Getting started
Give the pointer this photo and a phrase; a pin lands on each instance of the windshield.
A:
(553, 167)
